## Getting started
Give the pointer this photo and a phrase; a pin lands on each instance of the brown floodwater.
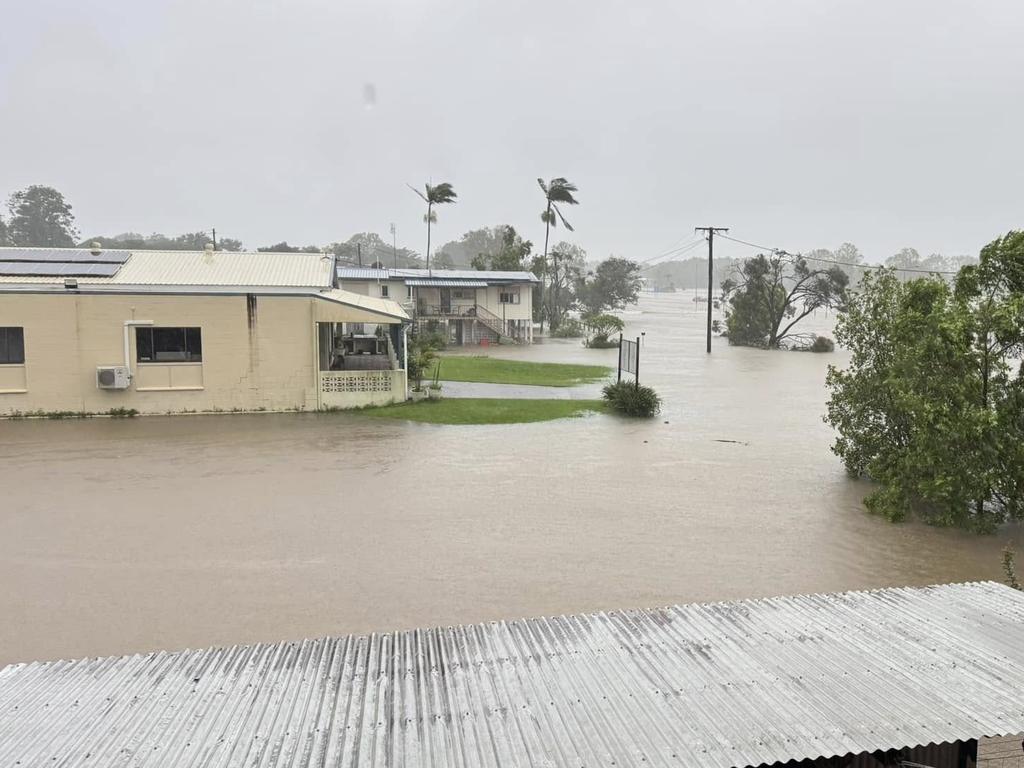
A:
(168, 532)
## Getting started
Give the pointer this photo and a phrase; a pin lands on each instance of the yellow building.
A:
(185, 331)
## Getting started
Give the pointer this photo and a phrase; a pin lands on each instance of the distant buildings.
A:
(467, 306)
(182, 331)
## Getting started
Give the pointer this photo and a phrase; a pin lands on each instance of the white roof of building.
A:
(193, 269)
(713, 685)
(490, 275)
(370, 303)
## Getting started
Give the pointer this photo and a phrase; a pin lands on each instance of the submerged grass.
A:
(484, 410)
(493, 370)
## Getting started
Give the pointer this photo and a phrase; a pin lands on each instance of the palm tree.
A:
(436, 195)
(556, 191)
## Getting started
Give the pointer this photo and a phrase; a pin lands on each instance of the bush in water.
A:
(632, 400)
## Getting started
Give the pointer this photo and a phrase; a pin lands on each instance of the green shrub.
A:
(822, 344)
(569, 329)
(602, 342)
(630, 399)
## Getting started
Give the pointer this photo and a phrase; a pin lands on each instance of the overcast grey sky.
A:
(798, 123)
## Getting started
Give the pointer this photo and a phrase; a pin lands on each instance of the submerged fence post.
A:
(636, 372)
(618, 380)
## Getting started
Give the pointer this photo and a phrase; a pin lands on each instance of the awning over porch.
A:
(339, 306)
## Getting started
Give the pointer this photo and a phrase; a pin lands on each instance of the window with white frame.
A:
(384, 291)
(154, 344)
(12, 346)
(508, 296)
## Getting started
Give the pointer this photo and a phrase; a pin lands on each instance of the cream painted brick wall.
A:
(68, 335)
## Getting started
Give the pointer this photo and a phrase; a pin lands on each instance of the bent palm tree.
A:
(556, 191)
(435, 195)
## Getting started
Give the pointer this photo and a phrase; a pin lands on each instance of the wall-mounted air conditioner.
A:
(113, 377)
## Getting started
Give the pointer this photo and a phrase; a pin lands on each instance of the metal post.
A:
(636, 373)
(618, 380)
(215, 238)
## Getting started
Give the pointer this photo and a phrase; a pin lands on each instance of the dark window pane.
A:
(194, 344)
(168, 345)
(144, 345)
(12, 345)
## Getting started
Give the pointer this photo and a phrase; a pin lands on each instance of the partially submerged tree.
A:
(40, 216)
(566, 269)
(931, 406)
(613, 285)
(434, 194)
(771, 294)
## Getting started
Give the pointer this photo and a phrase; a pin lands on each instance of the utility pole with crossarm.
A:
(711, 271)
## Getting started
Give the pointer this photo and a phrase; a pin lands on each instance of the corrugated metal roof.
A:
(490, 275)
(720, 684)
(201, 268)
(434, 282)
(362, 273)
(370, 303)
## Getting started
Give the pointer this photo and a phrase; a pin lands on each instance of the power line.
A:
(841, 263)
(673, 253)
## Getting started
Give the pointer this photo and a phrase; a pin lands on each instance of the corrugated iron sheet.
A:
(722, 684)
(489, 275)
(362, 273)
(434, 282)
(218, 269)
(370, 303)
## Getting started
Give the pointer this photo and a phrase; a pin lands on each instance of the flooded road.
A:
(167, 532)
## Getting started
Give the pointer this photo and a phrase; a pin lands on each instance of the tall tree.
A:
(771, 294)
(614, 284)
(40, 216)
(931, 406)
(512, 254)
(439, 194)
(371, 247)
(557, 191)
(567, 265)
(4, 239)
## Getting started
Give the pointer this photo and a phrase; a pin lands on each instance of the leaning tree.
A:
(436, 194)
(770, 294)
(558, 190)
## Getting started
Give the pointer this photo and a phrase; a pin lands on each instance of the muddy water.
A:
(119, 536)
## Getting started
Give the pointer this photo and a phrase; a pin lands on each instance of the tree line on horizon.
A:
(40, 216)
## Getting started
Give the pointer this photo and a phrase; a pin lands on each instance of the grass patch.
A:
(493, 370)
(482, 410)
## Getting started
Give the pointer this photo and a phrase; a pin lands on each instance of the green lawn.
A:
(484, 411)
(494, 370)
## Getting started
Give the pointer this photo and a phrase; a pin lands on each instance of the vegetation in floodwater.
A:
(484, 410)
(630, 399)
(494, 370)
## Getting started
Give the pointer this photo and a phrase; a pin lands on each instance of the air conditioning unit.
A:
(113, 377)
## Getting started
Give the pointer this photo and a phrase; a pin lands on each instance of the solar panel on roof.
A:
(63, 255)
(57, 269)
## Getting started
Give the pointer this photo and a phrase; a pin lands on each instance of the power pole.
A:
(394, 244)
(711, 270)
(214, 238)
(359, 253)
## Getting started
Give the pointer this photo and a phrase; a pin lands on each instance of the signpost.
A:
(629, 358)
